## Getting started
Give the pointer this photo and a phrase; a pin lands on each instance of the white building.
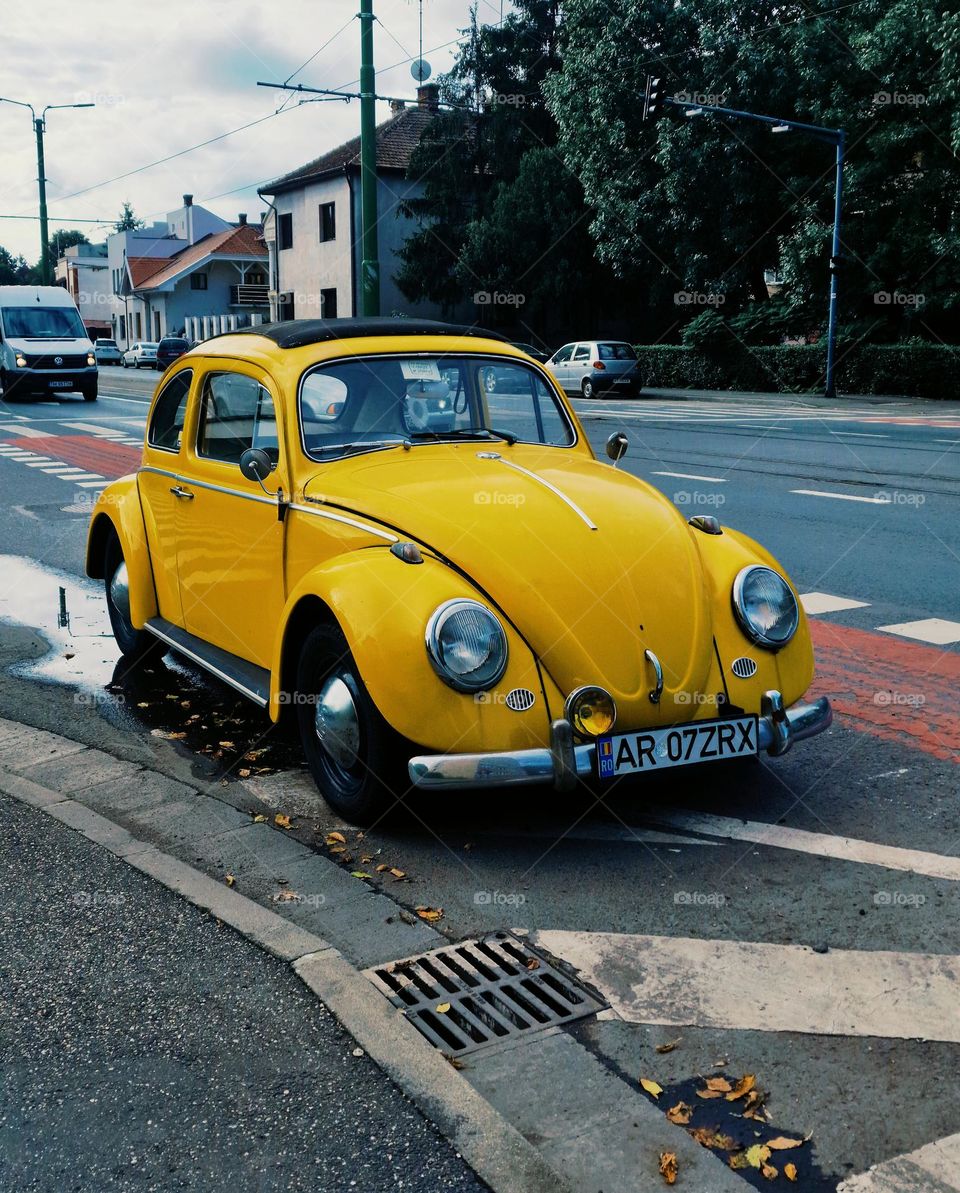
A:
(85, 272)
(313, 228)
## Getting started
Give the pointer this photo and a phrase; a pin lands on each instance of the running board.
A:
(248, 679)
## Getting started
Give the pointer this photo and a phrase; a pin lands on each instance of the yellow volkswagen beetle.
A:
(399, 531)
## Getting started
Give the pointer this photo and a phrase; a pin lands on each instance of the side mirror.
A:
(255, 465)
(617, 446)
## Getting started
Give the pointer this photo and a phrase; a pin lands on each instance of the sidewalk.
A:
(147, 1046)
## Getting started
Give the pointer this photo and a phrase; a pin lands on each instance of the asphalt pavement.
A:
(797, 920)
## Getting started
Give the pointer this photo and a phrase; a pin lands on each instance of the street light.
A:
(39, 126)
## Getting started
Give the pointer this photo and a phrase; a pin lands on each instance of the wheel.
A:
(135, 645)
(89, 392)
(587, 389)
(353, 754)
(123, 362)
(490, 380)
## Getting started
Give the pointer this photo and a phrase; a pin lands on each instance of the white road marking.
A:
(93, 429)
(128, 401)
(57, 469)
(844, 849)
(861, 434)
(952, 442)
(689, 476)
(85, 476)
(753, 986)
(842, 496)
(824, 602)
(38, 462)
(934, 1167)
(70, 471)
(98, 484)
(931, 629)
(27, 432)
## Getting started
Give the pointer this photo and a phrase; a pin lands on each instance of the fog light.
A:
(21, 361)
(591, 711)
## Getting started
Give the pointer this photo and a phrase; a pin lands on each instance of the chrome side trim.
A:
(207, 665)
(331, 517)
(541, 481)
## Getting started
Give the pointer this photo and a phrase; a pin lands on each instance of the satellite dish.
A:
(420, 70)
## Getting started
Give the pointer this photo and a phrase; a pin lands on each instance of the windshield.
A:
(616, 352)
(46, 323)
(380, 402)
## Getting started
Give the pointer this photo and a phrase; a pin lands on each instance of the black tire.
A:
(135, 645)
(587, 389)
(89, 393)
(369, 785)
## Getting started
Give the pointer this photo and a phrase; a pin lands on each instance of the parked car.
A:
(591, 367)
(169, 349)
(530, 350)
(44, 346)
(142, 354)
(477, 602)
(106, 352)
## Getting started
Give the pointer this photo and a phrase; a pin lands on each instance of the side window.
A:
(563, 355)
(169, 413)
(236, 412)
(518, 401)
(582, 352)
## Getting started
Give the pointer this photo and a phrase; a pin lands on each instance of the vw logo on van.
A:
(58, 360)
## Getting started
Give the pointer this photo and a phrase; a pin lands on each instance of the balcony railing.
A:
(250, 295)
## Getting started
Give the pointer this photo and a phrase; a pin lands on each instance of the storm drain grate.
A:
(491, 989)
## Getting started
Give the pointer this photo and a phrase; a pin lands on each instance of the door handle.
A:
(179, 491)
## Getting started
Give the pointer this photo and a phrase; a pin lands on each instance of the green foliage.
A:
(916, 369)
(706, 331)
(59, 242)
(14, 271)
(128, 221)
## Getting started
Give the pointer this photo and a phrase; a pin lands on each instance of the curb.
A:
(497, 1151)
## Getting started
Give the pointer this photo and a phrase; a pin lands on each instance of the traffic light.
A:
(652, 99)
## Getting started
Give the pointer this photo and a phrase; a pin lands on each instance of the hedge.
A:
(915, 370)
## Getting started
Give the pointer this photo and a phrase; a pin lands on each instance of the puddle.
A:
(167, 698)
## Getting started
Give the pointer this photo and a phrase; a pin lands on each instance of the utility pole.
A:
(370, 263)
(39, 127)
(653, 104)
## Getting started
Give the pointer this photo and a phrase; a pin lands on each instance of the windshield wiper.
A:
(365, 443)
(466, 433)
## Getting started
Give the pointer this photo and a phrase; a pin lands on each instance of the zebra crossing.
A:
(748, 414)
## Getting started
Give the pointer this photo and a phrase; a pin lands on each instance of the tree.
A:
(14, 271)
(128, 220)
(708, 204)
(57, 245)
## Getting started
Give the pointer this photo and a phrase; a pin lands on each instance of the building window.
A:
(328, 221)
(198, 281)
(285, 231)
(156, 325)
(138, 324)
(123, 327)
(328, 304)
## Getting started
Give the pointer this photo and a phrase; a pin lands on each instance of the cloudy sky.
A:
(168, 77)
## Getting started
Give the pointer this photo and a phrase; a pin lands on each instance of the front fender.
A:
(118, 511)
(382, 605)
(790, 669)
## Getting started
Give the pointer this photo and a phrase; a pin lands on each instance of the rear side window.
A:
(236, 412)
(169, 413)
(582, 352)
(616, 352)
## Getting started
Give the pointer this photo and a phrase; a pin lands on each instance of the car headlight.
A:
(765, 606)
(466, 645)
(591, 711)
(21, 361)
(91, 358)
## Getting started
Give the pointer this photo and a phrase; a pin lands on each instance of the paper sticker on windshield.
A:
(420, 370)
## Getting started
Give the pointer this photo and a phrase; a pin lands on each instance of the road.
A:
(798, 921)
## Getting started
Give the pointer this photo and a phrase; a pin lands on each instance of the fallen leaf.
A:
(680, 1114)
(143, 704)
(719, 1084)
(244, 772)
(533, 963)
(457, 1064)
(743, 1086)
(383, 866)
(335, 839)
(229, 879)
(281, 821)
(286, 897)
(757, 1154)
(668, 1167)
(397, 873)
(782, 1144)
(769, 1172)
(430, 914)
(651, 1087)
(711, 1137)
(227, 745)
(338, 849)
(790, 1171)
(661, 1048)
(442, 1008)
(753, 1106)
(709, 1093)
(359, 874)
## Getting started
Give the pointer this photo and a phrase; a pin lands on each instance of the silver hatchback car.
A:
(591, 367)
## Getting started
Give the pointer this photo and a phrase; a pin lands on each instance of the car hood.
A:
(41, 346)
(591, 565)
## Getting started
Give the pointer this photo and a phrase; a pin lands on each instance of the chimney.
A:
(397, 105)
(263, 217)
(188, 200)
(242, 218)
(428, 97)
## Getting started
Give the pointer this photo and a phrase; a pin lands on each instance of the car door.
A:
(579, 366)
(229, 535)
(157, 479)
(559, 365)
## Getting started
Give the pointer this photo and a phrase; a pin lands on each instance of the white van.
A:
(44, 347)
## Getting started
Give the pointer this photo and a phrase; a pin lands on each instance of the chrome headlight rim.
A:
(756, 635)
(570, 704)
(438, 619)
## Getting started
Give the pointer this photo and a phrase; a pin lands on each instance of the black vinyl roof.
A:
(296, 333)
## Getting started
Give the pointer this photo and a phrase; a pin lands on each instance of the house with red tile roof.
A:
(312, 231)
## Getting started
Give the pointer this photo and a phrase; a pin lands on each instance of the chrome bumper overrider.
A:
(564, 763)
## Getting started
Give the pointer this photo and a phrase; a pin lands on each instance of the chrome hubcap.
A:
(120, 591)
(336, 722)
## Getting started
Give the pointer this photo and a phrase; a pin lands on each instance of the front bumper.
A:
(46, 380)
(564, 763)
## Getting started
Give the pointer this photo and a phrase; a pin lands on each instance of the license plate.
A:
(659, 749)
(61, 384)
(622, 381)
